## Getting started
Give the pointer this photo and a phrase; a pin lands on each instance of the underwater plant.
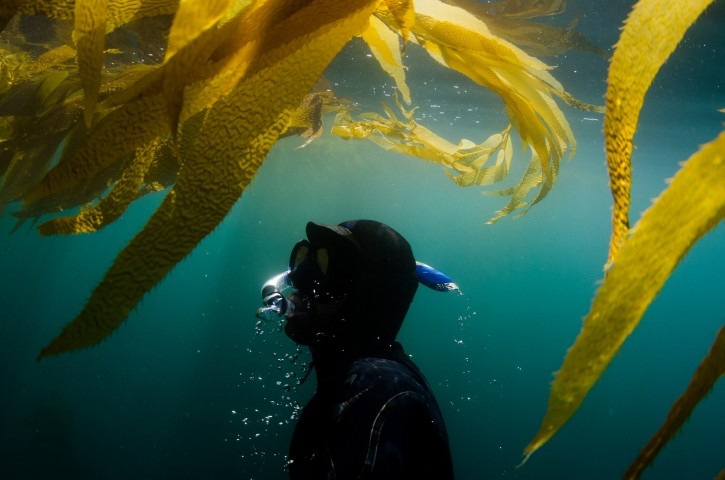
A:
(642, 259)
(198, 120)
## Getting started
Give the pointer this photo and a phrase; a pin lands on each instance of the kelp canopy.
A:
(216, 85)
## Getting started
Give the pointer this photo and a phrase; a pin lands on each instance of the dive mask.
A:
(314, 272)
(276, 290)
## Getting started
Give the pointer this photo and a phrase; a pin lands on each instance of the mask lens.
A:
(323, 260)
(299, 254)
(316, 271)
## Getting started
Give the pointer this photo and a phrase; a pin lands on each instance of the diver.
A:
(373, 414)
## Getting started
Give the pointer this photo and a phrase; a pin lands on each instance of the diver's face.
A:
(322, 279)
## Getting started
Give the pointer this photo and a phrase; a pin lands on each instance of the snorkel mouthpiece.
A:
(275, 304)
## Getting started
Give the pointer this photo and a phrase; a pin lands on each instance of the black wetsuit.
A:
(372, 417)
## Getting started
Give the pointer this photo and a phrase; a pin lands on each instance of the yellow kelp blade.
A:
(530, 180)
(50, 59)
(652, 31)
(403, 14)
(689, 207)
(237, 133)
(192, 20)
(708, 372)
(467, 160)
(463, 43)
(384, 45)
(112, 138)
(90, 37)
(111, 207)
(118, 12)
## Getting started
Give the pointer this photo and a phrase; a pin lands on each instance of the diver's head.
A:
(353, 284)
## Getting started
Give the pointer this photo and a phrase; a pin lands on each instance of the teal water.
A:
(189, 387)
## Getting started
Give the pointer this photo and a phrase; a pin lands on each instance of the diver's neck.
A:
(330, 363)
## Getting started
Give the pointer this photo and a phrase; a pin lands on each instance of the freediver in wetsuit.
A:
(373, 415)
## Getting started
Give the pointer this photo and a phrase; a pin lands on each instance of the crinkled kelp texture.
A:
(641, 260)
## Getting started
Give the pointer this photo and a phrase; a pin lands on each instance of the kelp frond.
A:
(237, 132)
(467, 163)
(710, 370)
(228, 80)
(460, 41)
(641, 260)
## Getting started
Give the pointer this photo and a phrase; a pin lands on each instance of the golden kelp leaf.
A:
(111, 207)
(115, 136)
(48, 60)
(530, 180)
(193, 19)
(121, 12)
(32, 150)
(11, 64)
(237, 133)
(708, 372)
(467, 159)
(59, 9)
(384, 45)
(89, 35)
(460, 41)
(118, 12)
(689, 207)
(652, 31)
(402, 13)
(29, 98)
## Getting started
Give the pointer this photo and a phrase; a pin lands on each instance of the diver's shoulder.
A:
(382, 373)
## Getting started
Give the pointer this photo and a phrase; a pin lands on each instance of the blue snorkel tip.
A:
(434, 279)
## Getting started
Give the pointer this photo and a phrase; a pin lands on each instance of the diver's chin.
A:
(298, 325)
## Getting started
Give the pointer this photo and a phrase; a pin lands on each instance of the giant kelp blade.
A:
(708, 372)
(114, 204)
(463, 43)
(652, 31)
(384, 45)
(89, 35)
(690, 206)
(238, 132)
(121, 12)
(403, 15)
(192, 21)
(116, 135)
